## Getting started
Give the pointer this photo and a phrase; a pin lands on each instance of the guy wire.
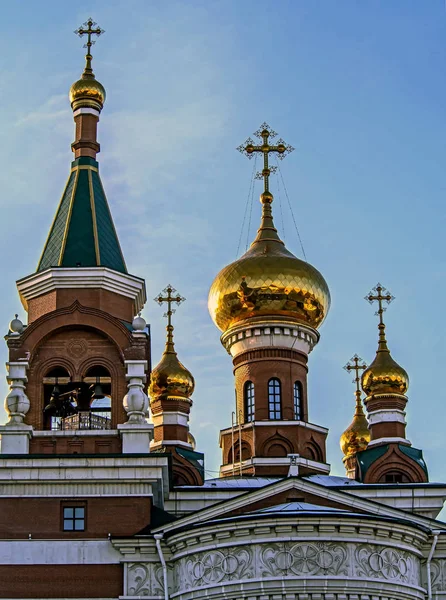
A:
(292, 213)
(250, 192)
(250, 206)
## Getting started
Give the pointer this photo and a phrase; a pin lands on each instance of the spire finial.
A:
(171, 297)
(89, 28)
(357, 365)
(265, 133)
(381, 295)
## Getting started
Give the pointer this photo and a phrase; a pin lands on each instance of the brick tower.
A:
(269, 305)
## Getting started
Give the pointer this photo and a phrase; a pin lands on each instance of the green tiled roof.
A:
(82, 233)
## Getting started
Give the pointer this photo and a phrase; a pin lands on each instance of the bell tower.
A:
(268, 305)
(78, 367)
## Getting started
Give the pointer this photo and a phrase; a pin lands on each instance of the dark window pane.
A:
(297, 400)
(68, 513)
(274, 399)
(79, 513)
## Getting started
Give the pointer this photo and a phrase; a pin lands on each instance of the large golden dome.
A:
(384, 376)
(269, 281)
(170, 378)
(357, 435)
(87, 92)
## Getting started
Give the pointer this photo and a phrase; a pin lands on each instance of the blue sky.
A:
(358, 88)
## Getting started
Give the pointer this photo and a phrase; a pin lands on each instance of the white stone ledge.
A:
(42, 282)
(389, 440)
(252, 336)
(282, 461)
(58, 552)
(271, 423)
(386, 415)
(74, 433)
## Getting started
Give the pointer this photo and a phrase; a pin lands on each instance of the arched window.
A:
(274, 399)
(297, 395)
(249, 401)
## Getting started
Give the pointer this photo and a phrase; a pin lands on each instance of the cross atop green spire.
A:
(82, 233)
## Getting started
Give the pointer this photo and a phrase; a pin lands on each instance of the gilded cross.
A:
(357, 365)
(381, 295)
(265, 134)
(89, 28)
(171, 297)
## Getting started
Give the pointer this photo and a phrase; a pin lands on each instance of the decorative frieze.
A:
(294, 565)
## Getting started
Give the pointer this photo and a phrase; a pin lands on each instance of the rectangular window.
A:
(74, 518)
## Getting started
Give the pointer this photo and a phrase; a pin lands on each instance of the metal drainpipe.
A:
(428, 563)
(158, 537)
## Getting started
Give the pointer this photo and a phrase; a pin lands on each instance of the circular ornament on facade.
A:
(76, 348)
(229, 564)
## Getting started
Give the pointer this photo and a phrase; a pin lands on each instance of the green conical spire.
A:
(82, 233)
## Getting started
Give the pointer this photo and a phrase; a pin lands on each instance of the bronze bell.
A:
(54, 400)
(98, 393)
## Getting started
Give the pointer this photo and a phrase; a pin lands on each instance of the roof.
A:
(298, 507)
(83, 233)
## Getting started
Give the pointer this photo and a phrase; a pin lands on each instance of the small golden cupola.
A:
(170, 378)
(268, 280)
(357, 436)
(170, 390)
(87, 92)
(385, 375)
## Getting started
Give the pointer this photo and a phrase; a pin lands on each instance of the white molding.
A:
(170, 418)
(282, 461)
(272, 423)
(86, 111)
(386, 415)
(79, 475)
(260, 494)
(156, 445)
(75, 433)
(389, 440)
(267, 334)
(58, 552)
(54, 278)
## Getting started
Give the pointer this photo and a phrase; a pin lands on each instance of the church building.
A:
(103, 493)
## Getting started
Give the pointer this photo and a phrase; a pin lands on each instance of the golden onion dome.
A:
(268, 281)
(357, 435)
(87, 92)
(191, 440)
(170, 378)
(385, 376)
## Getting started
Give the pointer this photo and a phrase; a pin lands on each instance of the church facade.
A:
(102, 489)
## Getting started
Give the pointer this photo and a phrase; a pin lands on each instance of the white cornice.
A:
(340, 497)
(273, 423)
(267, 334)
(40, 283)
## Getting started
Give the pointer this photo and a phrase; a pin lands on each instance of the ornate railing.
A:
(85, 420)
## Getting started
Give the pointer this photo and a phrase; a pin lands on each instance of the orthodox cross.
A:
(357, 365)
(265, 133)
(381, 295)
(89, 28)
(170, 298)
